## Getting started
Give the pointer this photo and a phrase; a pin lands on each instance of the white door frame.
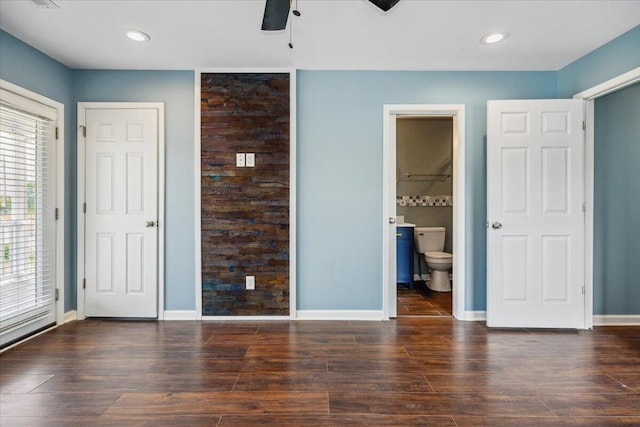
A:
(390, 113)
(60, 188)
(292, 192)
(81, 168)
(589, 95)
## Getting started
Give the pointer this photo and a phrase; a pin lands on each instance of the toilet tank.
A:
(429, 239)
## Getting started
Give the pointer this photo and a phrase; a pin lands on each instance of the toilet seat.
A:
(438, 257)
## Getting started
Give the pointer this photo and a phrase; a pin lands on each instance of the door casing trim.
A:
(390, 113)
(81, 170)
(590, 95)
(60, 188)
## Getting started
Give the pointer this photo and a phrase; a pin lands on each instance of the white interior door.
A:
(121, 213)
(535, 219)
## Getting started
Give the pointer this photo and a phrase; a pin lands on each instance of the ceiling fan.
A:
(276, 12)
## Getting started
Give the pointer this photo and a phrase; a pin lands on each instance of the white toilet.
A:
(430, 242)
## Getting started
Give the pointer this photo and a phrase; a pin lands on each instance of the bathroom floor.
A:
(422, 301)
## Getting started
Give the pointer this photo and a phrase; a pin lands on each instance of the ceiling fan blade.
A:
(385, 4)
(276, 13)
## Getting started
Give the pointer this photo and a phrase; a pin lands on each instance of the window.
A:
(27, 216)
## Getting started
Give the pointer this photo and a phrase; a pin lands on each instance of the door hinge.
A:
(584, 125)
(57, 133)
(84, 131)
(582, 289)
(84, 283)
(57, 214)
(84, 207)
(584, 207)
(57, 294)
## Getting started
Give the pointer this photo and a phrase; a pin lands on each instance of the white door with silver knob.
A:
(535, 187)
(122, 207)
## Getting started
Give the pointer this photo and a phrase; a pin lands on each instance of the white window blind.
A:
(27, 215)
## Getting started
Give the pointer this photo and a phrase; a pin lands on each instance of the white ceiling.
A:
(330, 34)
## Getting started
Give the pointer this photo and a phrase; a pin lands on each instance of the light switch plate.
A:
(251, 160)
(240, 160)
(250, 282)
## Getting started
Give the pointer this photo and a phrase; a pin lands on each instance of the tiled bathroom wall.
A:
(424, 186)
(424, 201)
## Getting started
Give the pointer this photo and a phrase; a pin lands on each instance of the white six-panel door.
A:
(121, 253)
(535, 220)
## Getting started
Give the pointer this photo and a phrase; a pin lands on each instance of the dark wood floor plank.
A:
(155, 382)
(502, 421)
(593, 404)
(283, 338)
(293, 350)
(523, 383)
(134, 351)
(353, 381)
(631, 381)
(436, 404)
(418, 366)
(112, 421)
(283, 381)
(236, 402)
(334, 420)
(51, 404)
(409, 371)
(21, 383)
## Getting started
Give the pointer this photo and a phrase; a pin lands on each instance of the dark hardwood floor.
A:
(422, 301)
(410, 371)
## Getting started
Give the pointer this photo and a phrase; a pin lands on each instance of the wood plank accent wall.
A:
(245, 211)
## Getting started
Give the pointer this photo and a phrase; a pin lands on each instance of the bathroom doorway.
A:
(424, 189)
(428, 186)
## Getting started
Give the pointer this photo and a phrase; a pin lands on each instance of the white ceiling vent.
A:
(45, 4)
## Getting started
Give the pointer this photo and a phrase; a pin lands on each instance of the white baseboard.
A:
(70, 316)
(246, 318)
(616, 320)
(179, 315)
(339, 315)
(474, 316)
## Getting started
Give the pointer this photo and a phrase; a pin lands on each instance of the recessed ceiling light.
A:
(493, 38)
(138, 36)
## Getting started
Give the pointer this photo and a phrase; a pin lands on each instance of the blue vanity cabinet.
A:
(404, 250)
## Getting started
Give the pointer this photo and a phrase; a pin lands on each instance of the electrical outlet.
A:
(240, 160)
(251, 160)
(250, 282)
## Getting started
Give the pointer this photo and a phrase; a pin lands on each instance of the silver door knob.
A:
(392, 220)
(496, 225)
(149, 224)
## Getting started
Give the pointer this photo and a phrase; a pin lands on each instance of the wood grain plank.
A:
(324, 420)
(52, 404)
(153, 382)
(436, 404)
(235, 402)
(21, 383)
(502, 421)
(206, 420)
(593, 404)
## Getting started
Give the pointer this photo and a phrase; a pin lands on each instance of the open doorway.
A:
(424, 215)
(393, 114)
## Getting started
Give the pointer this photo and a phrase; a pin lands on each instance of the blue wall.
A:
(340, 174)
(616, 282)
(176, 90)
(339, 163)
(31, 69)
(610, 60)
